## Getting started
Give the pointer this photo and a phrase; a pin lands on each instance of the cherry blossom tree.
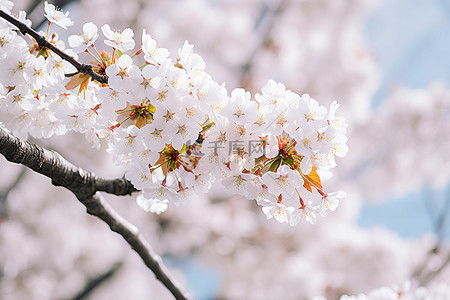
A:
(124, 101)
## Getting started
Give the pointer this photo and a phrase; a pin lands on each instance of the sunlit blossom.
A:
(55, 15)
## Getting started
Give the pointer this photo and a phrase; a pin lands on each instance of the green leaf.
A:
(275, 165)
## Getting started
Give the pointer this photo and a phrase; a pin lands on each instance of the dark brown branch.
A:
(62, 173)
(43, 43)
(96, 205)
(85, 186)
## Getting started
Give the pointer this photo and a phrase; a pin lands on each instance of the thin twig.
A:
(433, 274)
(264, 42)
(43, 43)
(85, 186)
(97, 281)
(4, 194)
(419, 272)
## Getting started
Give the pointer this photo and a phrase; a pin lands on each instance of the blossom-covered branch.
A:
(43, 43)
(277, 147)
(85, 186)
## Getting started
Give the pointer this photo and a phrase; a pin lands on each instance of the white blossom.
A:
(153, 54)
(80, 43)
(122, 41)
(54, 15)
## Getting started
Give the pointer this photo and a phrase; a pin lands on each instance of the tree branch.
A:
(43, 43)
(97, 281)
(62, 173)
(433, 274)
(97, 206)
(264, 42)
(4, 194)
(85, 186)
(421, 272)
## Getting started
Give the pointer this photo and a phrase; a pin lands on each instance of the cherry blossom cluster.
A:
(172, 127)
(31, 83)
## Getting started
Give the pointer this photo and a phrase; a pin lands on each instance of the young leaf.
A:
(312, 179)
(79, 79)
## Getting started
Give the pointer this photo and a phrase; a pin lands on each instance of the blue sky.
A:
(410, 40)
